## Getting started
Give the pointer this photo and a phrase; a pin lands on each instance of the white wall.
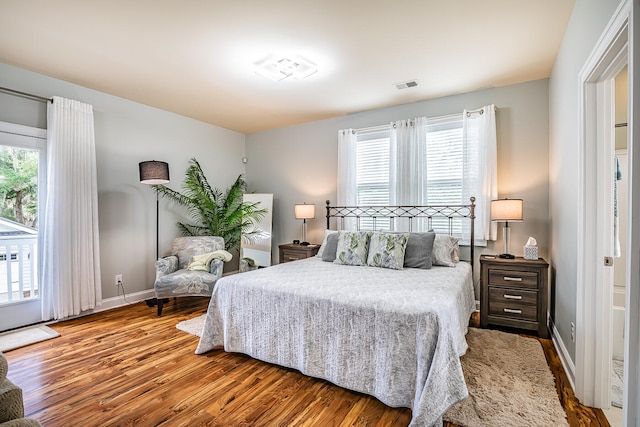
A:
(126, 134)
(299, 163)
(588, 20)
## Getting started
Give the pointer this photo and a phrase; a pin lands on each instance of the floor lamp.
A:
(154, 172)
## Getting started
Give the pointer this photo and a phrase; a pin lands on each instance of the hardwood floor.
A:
(127, 367)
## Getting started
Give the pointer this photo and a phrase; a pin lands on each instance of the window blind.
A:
(372, 174)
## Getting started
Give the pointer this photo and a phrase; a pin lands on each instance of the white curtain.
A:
(480, 167)
(69, 234)
(347, 179)
(407, 167)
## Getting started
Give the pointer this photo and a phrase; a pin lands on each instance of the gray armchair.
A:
(11, 403)
(173, 279)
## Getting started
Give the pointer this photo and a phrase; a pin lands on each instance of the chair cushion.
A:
(185, 282)
(166, 265)
(186, 247)
(11, 406)
(4, 367)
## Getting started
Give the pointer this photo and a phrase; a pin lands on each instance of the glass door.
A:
(22, 187)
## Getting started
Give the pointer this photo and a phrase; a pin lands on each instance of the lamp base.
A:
(506, 256)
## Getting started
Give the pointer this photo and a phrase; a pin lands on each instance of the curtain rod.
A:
(25, 94)
(446, 116)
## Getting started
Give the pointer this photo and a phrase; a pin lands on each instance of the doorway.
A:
(620, 226)
(614, 51)
(22, 189)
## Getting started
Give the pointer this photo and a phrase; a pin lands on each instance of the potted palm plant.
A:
(213, 212)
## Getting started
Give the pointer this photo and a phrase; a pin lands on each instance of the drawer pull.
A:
(509, 310)
(507, 296)
(512, 279)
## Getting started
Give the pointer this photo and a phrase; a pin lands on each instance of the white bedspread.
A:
(393, 334)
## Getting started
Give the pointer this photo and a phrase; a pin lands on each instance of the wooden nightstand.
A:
(293, 252)
(513, 293)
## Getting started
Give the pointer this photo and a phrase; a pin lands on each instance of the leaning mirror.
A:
(255, 251)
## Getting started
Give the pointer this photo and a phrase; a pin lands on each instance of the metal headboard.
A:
(410, 213)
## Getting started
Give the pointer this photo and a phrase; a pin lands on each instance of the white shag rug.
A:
(507, 375)
(22, 337)
(509, 382)
(192, 326)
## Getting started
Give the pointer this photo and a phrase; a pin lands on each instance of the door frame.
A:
(614, 49)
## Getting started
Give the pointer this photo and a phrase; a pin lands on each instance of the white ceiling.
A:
(198, 57)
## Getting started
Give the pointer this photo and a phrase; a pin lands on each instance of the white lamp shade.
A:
(304, 211)
(154, 172)
(506, 210)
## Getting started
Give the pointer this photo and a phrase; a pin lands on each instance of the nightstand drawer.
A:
(288, 255)
(513, 279)
(293, 252)
(513, 303)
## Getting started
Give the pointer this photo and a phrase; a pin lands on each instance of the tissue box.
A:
(530, 252)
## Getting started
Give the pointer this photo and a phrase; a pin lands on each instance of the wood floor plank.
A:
(127, 367)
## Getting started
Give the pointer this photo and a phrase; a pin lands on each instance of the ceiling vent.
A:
(404, 85)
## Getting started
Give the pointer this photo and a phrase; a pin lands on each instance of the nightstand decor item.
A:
(531, 249)
(304, 212)
(154, 172)
(505, 210)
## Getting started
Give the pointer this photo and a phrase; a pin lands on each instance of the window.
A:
(436, 162)
(372, 174)
(444, 152)
(443, 164)
(22, 186)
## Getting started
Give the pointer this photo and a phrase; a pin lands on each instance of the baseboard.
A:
(563, 354)
(119, 301)
(111, 303)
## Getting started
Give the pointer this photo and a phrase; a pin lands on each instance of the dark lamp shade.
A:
(154, 172)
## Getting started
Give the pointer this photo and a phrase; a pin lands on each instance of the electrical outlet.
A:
(118, 279)
(573, 332)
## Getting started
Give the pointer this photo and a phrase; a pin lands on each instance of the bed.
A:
(393, 334)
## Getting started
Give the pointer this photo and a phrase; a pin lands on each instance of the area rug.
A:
(20, 338)
(617, 370)
(192, 326)
(507, 375)
(509, 383)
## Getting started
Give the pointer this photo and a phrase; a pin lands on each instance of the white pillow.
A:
(324, 241)
(444, 251)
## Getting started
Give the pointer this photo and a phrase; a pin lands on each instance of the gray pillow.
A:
(418, 251)
(330, 248)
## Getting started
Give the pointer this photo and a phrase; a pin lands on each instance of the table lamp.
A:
(304, 212)
(505, 210)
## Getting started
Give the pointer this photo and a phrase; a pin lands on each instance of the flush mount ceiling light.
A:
(279, 69)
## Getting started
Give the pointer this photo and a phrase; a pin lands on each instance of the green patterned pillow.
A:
(353, 247)
(387, 250)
